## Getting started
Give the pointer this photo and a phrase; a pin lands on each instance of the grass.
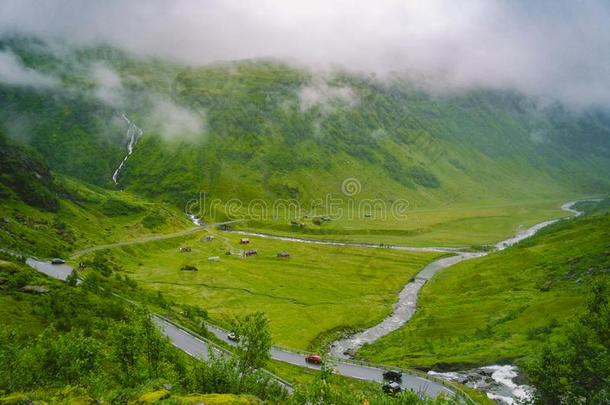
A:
(444, 226)
(501, 307)
(86, 216)
(317, 291)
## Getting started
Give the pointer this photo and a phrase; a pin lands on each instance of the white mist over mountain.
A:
(554, 49)
(14, 72)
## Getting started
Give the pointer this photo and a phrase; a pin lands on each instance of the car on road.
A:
(391, 375)
(58, 261)
(233, 337)
(392, 388)
(313, 359)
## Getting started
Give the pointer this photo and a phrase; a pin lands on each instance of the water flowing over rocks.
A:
(133, 134)
(500, 383)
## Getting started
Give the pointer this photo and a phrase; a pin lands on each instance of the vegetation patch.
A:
(505, 305)
(319, 289)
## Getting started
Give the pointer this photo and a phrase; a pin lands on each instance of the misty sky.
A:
(557, 49)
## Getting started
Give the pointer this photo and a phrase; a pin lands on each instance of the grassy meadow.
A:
(454, 225)
(502, 306)
(309, 297)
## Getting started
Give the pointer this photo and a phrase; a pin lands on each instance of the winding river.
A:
(404, 309)
(503, 389)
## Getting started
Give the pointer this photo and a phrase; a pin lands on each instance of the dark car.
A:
(391, 375)
(57, 261)
(392, 388)
(313, 359)
(232, 336)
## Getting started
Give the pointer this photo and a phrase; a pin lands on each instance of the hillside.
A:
(266, 130)
(502, 307)
(49, 215)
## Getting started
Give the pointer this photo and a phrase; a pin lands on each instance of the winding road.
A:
(342, 349)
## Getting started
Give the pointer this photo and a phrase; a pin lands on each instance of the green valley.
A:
(310, 297)
(503, 306)
(321, 204)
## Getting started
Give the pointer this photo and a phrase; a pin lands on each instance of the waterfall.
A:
(133, 134)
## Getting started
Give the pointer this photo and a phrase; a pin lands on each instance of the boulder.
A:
(36, 289)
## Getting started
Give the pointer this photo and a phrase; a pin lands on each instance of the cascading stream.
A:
(133, 134)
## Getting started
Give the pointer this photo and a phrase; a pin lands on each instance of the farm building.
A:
(250, 252)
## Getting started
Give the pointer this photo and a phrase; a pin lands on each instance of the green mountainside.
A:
(473, 167)
(51, 215)
(276, 131)
(503, 306)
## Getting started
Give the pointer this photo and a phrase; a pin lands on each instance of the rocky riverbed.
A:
(502, 383)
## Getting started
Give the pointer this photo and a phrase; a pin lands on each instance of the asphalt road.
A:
(344, 368)
(197, 347)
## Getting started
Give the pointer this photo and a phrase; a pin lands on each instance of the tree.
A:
(575, 367)
(253, 348)
(126, 341)
(71, 357)
(217, 374)
(154, 345)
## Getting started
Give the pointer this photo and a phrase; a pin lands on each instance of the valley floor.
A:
(453, 226)
(503, 306)
(309, 297)
(320, 292)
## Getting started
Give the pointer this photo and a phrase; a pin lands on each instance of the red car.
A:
(313, 359)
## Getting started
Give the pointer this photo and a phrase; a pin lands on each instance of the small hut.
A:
(250, 252)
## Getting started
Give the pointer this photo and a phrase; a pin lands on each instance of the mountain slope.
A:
(265, 139)
(276, 131)
(503, 306)
(48, 215)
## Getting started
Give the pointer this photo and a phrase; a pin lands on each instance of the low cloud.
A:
(326, 97)
(14, 73)
(554, 49)
(108, 85)
(174, 121)
(171, 120)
